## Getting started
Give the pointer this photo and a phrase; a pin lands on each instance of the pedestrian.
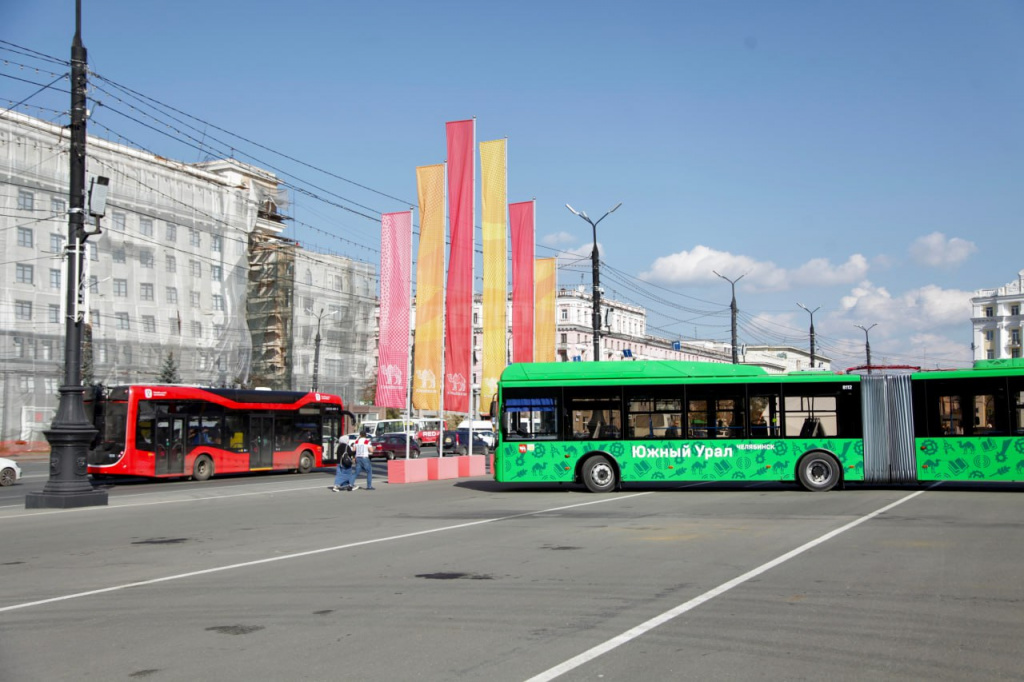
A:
(363, 450)
(345, 477)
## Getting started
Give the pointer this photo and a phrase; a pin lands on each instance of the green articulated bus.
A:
(607, 423)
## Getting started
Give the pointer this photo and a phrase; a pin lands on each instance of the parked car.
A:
(392, 445)
(481, 426)
(457, 443)
(9, 471)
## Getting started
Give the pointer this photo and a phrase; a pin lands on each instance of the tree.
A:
(169, 370)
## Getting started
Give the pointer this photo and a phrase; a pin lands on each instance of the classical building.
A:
(189, 263)
(996, 318)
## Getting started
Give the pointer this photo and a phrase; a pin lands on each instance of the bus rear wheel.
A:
(599, 475)
(202, 470)
(305, 462)
(818, 471)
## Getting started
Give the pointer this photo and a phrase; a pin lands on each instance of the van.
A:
(482, 426)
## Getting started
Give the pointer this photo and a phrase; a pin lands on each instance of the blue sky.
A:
(865, 157)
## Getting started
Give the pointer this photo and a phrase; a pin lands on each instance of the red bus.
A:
(165, 431)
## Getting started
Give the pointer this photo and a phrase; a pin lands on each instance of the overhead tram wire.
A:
(29, 52)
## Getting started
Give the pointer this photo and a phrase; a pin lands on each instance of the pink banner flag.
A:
(459, 299)
(395, 285)
(521, 216)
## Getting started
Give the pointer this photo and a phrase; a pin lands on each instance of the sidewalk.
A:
(22, 450)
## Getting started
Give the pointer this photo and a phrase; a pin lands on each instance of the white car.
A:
(9, 471)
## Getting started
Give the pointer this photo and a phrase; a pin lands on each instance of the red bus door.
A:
(261, 442)
(170, 445)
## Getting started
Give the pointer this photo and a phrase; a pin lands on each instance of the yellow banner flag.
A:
(494, 216)
(426, 390)
(544, 345)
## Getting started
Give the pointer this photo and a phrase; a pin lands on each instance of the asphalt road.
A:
(277, 578)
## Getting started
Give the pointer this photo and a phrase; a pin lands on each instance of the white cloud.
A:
(934, 250)
(699, 266)
(558, 239)
(923, 309)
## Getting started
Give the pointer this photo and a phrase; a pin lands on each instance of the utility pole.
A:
(595, 276)
(867, 342)
(71, 432)
(734, 309)
(812, 328)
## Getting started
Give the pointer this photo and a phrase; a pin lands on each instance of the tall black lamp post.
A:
(734, 310)
(596, 276)
(867, 342)
(70, 433)
(316, 351)
(811, 312)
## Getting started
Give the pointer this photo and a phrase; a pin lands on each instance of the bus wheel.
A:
(599, 475)
(305, 462)
(202, 469)
(818, 471)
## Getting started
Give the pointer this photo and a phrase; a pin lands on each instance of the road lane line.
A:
(312, 552)
(643, 628)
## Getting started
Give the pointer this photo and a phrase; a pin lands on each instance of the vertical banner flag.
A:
(544, 349)
(521, 216)
(426, 391)
(458, 349)
(395, 281)
(493, 203)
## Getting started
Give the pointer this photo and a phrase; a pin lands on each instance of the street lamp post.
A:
(71, 432)
(811, 312)
(596, 275)
(867, 343)
(316, 351)
(734, 310)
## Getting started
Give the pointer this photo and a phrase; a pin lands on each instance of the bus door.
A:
(261, 441)
(330, 432)
(170, 444)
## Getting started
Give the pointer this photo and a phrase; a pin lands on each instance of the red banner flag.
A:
(459, 299)
(521, 216)
(395, 286)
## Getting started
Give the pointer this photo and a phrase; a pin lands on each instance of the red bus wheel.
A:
(305, 462)
(202, 469)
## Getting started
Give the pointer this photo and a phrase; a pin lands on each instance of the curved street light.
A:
(596, 275)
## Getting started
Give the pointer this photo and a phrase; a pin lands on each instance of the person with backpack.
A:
(345, 477)
(363, 450)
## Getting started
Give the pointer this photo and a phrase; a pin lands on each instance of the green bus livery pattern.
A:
(970, 459)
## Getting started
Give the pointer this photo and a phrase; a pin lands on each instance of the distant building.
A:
(190, 261)
(996, 318)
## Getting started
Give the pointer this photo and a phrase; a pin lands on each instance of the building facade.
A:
(996, 319)
(188, 267)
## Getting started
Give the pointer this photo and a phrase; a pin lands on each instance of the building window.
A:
(46, 349)
(146, 292)
(149, 324)
(194, 238)
(989, 312)
(94, 317)
(194, 298)
(56, 242)
(197, 268)
(54, 311)
(174, 324)
(122, 320)
(146, 227)
(989, 334)
(146, 259)
(23, 310)
(23, 274)
(565, 338)
(121, 288)
(25, 237)
(26, 383)
(1015, 309)
(118, 220)
(197, 330)
(119, 255)
(218, 331)
(216, 273)
(172, 232)
(94, 284)
(58, 207)
(218, 243)
(172, 295)
(565, 314)
(218, 302)
(26, 200)
(171, 264)
(94, 251)
(1015, 337)
(55, 278)
(1015, 352)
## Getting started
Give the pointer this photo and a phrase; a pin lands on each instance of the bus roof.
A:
(635, 371)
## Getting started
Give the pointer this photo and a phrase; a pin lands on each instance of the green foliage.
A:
(169, 371)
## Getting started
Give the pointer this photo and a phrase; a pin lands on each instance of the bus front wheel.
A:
(202, 469)
(305, 462)
(599, 475)
(818, 471)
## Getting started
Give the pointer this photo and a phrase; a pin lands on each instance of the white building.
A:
(996, 318)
